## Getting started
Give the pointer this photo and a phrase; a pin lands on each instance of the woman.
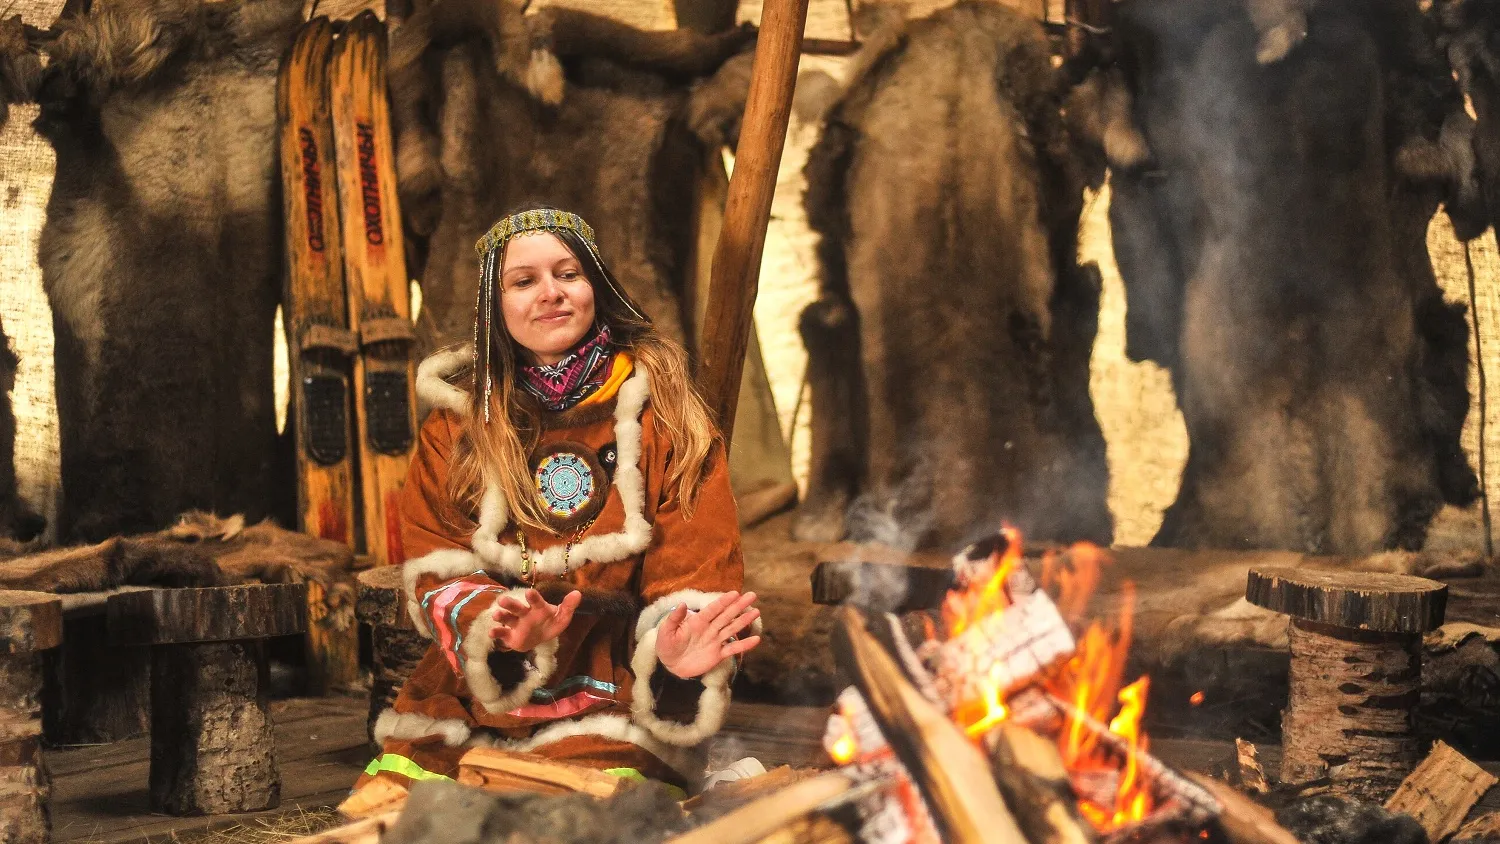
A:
(572, 542)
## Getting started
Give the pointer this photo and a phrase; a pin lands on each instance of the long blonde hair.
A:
(498, 451)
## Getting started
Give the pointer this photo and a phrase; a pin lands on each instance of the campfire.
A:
(1017, 652)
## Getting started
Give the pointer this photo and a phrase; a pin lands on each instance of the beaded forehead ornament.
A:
(491, 249)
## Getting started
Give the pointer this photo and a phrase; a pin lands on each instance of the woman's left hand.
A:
(689, 644)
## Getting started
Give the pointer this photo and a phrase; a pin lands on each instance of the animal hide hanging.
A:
(161, 258)
(948, 354)
(1270, 226)
(493, 109)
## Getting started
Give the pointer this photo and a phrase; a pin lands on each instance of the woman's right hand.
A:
(528, 620)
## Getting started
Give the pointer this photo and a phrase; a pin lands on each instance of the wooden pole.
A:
(736, 267)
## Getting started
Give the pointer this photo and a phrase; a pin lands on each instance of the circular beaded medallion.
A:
(565, 482)
(570, 482)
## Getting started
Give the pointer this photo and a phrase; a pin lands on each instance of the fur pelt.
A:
(161, 258)
(1270, 227)
(492, 109)
(200, 550)
(948, 354)
(1469, 33)
(20, 65)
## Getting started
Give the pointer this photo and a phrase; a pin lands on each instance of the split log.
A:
(1242, 820)
(1484, 829)
(1252, 775)
(502, 771)
(30, 622)
(758, 819)
(1441, 791)
(376, 798)
(367, 831)
(396, 646)
(212, 748)
(1355, 673)
(1034, 782)
(736, 266)
(750, 787)
(948, 769)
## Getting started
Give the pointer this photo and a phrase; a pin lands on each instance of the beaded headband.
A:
(539, 220)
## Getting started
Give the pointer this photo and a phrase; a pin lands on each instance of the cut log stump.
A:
(212, 749)
(1356, 672)
(396, 645)
(30, 622)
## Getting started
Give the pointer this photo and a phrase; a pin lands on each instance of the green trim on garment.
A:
(398, 764)
(632, 774)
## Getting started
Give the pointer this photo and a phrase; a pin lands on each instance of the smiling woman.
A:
(573, 547)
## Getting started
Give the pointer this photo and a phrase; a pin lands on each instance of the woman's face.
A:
(547, 303)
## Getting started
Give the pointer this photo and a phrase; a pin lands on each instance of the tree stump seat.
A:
(396, 645)
(94, 693)
(1356, 672)
(212, 747)
(30, 623)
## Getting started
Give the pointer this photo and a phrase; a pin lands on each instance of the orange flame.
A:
(1091, 680)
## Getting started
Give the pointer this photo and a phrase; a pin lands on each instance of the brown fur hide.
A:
(16, 519)
(200, 550)
(20, 65)
(1470, 36)
(492, 109)
(1270, 226)
(948, 356)
(161, 258)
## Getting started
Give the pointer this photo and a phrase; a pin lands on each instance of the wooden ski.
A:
(319, 342)
(376, 280)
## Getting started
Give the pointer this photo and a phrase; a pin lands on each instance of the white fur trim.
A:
(713, 703)
(446, 564)
(629, 482)
(479, 642)
(663, 606)
(411, 725)
(432, 374)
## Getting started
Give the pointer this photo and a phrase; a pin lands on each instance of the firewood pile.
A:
(1009, 721)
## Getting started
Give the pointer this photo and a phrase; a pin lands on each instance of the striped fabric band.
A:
(568, 685)
(443, 605)
(397, 764)
(565, 708)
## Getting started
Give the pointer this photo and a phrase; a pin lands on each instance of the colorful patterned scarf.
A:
(564, 384)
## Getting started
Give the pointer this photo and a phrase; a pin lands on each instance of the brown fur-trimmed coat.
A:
(948, 354)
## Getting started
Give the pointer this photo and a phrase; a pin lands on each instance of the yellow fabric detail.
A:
(633, 774)
(619, 369)
(397, 764)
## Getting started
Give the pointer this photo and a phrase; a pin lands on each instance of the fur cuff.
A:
(410, 726)
(487, 691)
(713, 702)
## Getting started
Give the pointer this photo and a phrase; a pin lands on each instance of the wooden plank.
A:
(1441, 791)
(501, 771)
(736, 268)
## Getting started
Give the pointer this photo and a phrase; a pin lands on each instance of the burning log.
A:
(1441, 791)
(1242, 820)
(1355, 673)
(948, 769)
(30, 622)
(1031, 776)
